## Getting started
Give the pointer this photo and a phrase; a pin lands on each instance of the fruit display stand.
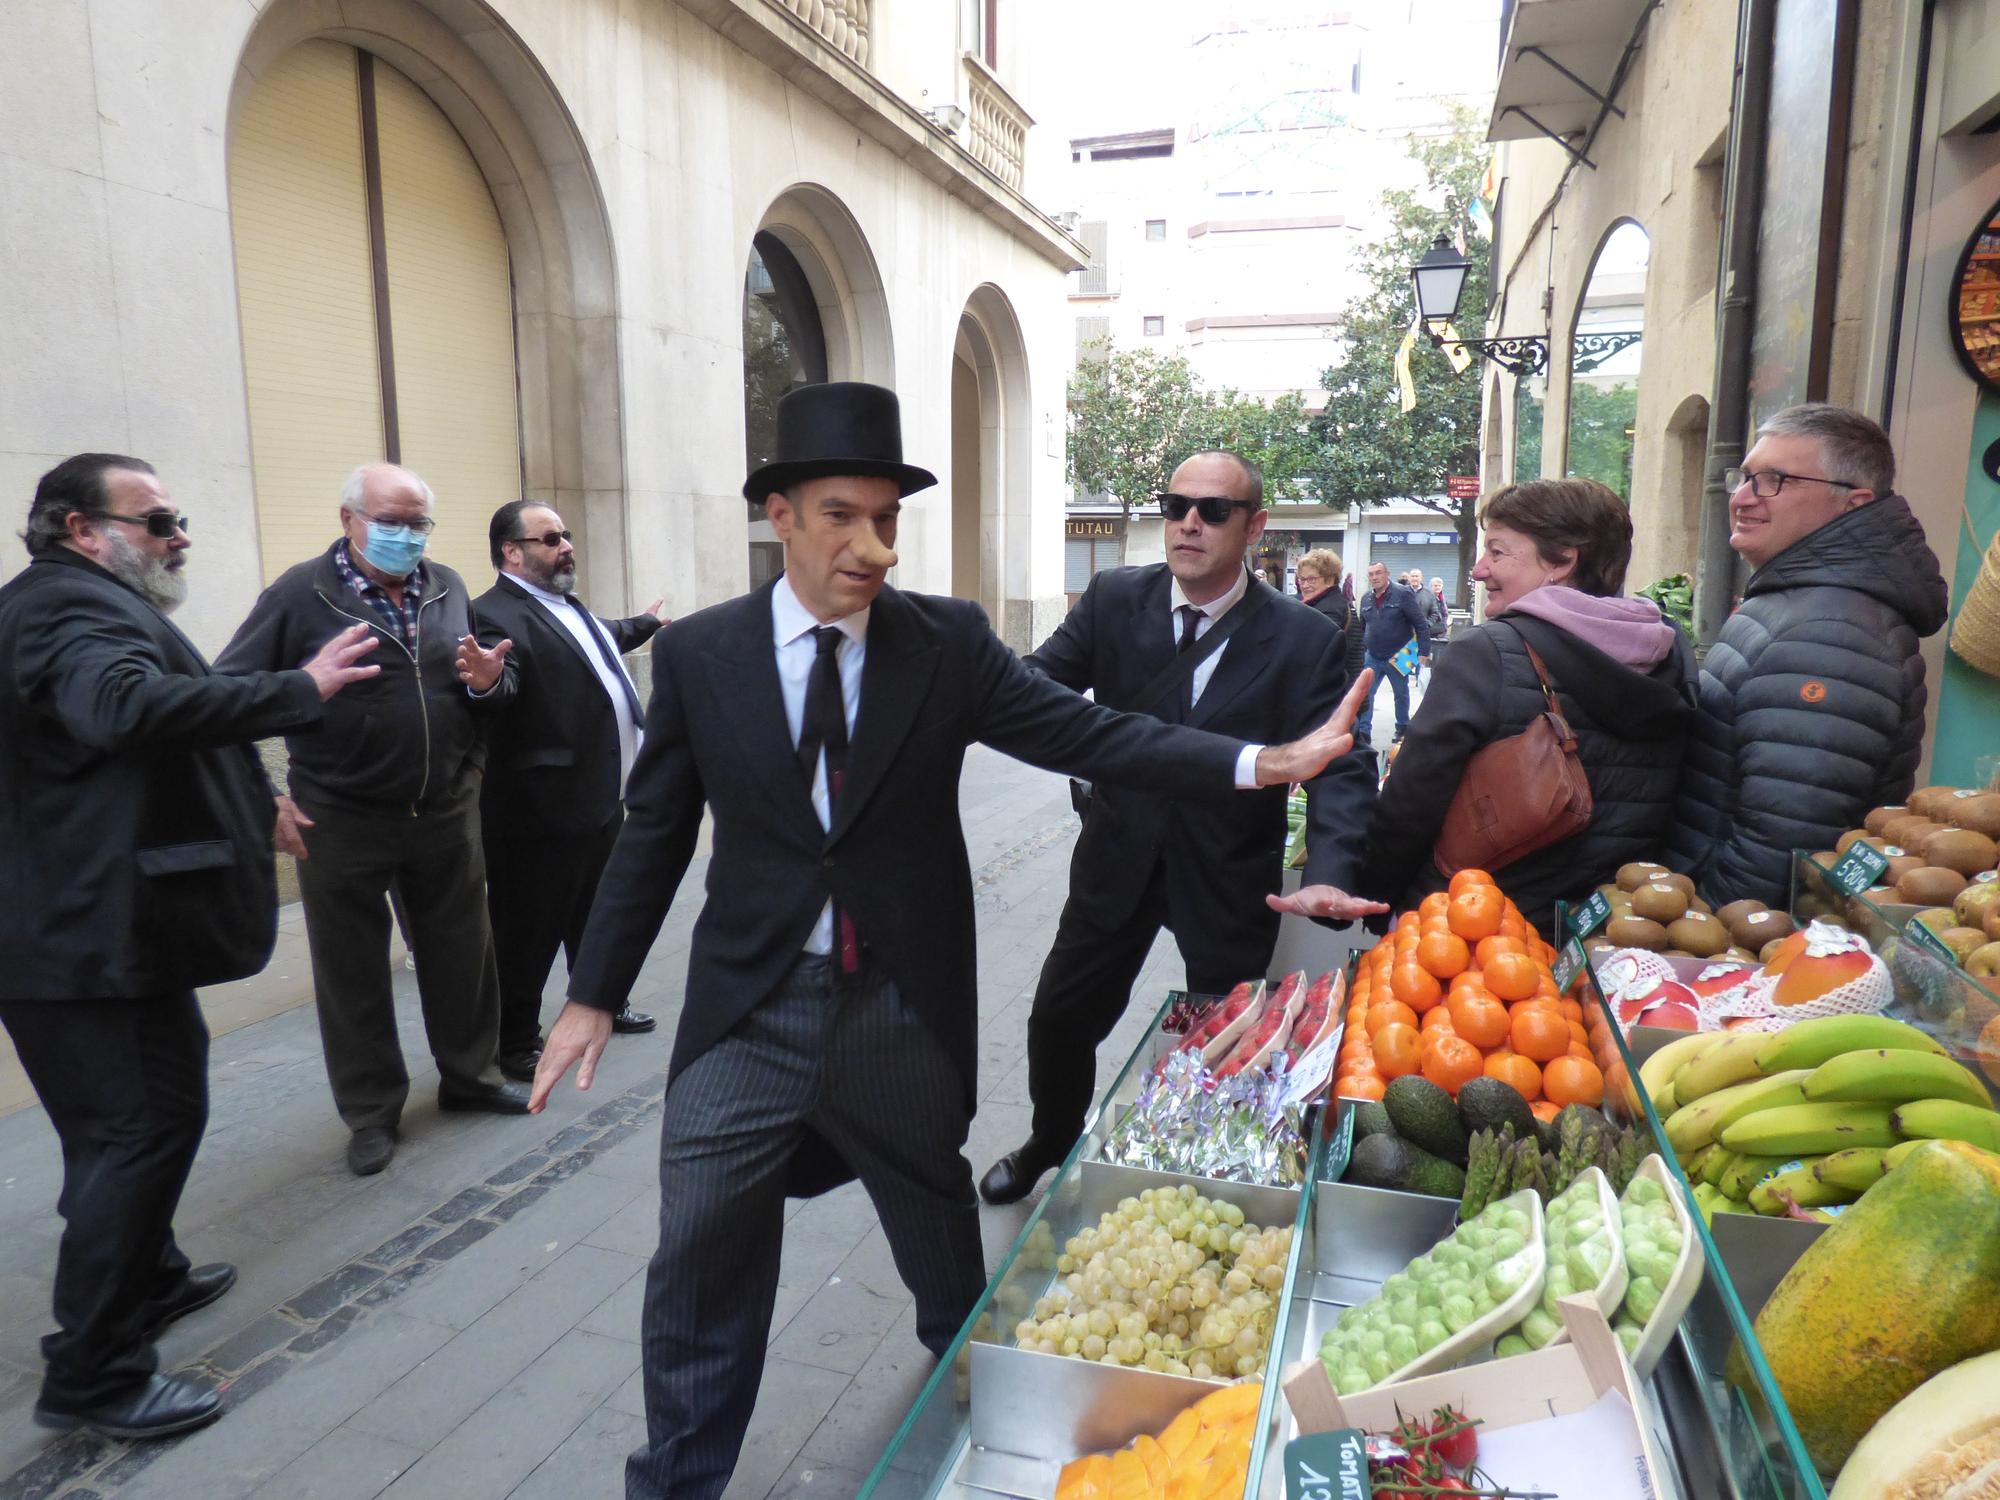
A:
(999, 1420)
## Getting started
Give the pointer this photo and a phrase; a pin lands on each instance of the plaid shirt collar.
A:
(401, 622)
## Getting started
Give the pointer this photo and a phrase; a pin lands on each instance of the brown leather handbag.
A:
(1517, 795)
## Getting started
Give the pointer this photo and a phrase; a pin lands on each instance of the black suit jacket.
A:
(935, 680)
(552, 750)
(135, 818)
(1281, 674)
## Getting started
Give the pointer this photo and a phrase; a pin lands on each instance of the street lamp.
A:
(1439, 281)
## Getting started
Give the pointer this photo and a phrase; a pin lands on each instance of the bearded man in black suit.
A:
(829, 1027)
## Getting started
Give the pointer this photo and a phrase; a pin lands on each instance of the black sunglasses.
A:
(547, 538)
(159, 523)
(1215, 510)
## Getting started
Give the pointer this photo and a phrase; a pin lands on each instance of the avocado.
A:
(1487, 1104)
(1439, 1179)
(1424, 1115)
(1370, 1118)
(1385, 1161)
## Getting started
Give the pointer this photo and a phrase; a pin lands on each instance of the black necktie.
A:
(1190, 622)
(596, 634)
(823, 726)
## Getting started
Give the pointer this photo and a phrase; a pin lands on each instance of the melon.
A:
(1940, 1442)
(1904, 1285)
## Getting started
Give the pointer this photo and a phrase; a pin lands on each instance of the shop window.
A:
(1604, 361)
(784, 344)
(1154, 326)
(1156, 229)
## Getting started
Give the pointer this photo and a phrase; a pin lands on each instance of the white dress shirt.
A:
(792, 625)
(579, 623)
(1215, 609)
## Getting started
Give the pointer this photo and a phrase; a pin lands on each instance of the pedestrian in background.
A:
(558, 753)
(1391, 618)
(136, 823)
(385, 793)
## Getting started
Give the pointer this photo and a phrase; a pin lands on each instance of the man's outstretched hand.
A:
(577, 1039)
(1303, 759)
(1328, 901)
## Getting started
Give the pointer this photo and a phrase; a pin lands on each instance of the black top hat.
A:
(839, 427)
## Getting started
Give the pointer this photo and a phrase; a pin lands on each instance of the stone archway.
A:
(496, 96)
(991, 458)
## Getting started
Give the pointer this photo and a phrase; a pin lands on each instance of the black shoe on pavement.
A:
(369, 1150)
(201, 1286)
(1014, 1176)
(632, 1022)
(163, 1406)
(1399, 738)
(502, 1099)
(520, 1066)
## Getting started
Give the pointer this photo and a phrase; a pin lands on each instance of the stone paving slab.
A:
(466, 1324)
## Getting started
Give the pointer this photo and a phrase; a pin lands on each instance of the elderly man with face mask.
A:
(386, 794)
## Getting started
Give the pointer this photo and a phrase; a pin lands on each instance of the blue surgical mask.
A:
(396, 550)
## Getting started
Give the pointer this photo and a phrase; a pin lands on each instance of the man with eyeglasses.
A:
(1144, 860)
(1812, 697)
(557, 759)
(136, 822)
(386, 793)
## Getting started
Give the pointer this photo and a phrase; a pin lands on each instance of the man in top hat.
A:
(829, 1026)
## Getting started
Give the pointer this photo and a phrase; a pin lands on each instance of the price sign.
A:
(1590, 916)
(1315, 1068)
(1327, 1466)
(1858, 869)
(1569, 964)
(1930, 942)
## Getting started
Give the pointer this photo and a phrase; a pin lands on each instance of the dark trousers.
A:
(125, 1083)
(853, 1064)
(538, 895)
(435, 862)
(1399, 690)
(1085, 986)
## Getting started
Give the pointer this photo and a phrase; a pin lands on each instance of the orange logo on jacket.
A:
(1813, 692)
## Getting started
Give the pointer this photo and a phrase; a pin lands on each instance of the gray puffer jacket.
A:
(1812, 702)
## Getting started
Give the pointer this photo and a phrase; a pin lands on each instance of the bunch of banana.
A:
(1805, 1120)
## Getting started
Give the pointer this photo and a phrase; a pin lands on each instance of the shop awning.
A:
(1557, 67)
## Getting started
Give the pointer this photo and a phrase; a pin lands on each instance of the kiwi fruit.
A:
(1961, 849)
(1735, 910)
(1933, 885)
(1670, 878)
(1825, 857)
(1931, 801)
(1755, 929)
(1741, 955)
(1660, 902)
(1881, 815)
(1636, 874)
(1677, 953)
(1636, 932)
(1609, 891)
(1910, 832)
(1859, 836)
(1764, 953)
(1901, 865)
(1700, 935)
(1695, 903)
(1980, 813)
(1598, 943)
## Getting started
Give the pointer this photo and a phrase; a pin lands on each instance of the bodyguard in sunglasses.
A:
(1196, 640)
(135, 864)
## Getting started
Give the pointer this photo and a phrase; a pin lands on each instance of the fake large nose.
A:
(871, 553)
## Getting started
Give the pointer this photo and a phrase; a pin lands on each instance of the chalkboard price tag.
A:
(1590, 916)
(1930, 942)
(1327, 1466)
(1569, 964)
(1858, 869)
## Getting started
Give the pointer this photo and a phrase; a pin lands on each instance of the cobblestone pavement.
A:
(466, 1324)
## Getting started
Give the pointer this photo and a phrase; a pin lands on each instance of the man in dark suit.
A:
(829, 1028)
(557, 757)
(1145, 861)
(136, 823)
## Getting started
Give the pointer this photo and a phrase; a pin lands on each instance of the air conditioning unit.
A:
(1070, 220)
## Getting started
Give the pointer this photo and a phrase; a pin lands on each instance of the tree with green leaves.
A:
(1600, 433)
(1370, 450)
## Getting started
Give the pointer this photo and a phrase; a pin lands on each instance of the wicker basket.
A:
(1975, 635)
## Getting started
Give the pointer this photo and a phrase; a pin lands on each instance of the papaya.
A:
(1938, 1440)
(1905, 1284)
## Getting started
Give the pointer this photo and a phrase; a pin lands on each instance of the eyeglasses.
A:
(1765, 483)
(421, 525)
(160, 523)
(1214, 510)
(549, 539)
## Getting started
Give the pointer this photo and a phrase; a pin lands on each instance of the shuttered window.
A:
(1094, 280)
(1084, 557)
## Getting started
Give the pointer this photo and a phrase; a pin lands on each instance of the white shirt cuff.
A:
(1246, 768)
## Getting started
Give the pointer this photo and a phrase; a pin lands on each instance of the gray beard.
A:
(160, 581)
(563, 582)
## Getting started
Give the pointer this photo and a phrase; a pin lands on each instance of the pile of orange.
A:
(1462, 987)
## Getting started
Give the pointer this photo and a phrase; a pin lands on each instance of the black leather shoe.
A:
(1014, 1176)
(520, 1066)
(503, 1099)
(201, 1286)
(632, 1022)
(163, 1406)
(369, 1150)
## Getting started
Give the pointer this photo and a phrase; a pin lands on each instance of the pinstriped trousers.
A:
(850, 1061)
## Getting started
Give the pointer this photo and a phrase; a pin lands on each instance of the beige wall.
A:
(632, 151)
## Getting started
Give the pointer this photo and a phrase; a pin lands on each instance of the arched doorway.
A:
(1605, 351)
(413, 283)
(990, 480)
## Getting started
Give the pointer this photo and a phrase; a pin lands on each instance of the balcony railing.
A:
(998, 128)
(844, 24)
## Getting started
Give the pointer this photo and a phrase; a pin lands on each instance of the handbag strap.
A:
(1183, 665)
(1563, 731)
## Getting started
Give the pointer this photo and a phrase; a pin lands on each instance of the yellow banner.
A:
(1405, 382)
